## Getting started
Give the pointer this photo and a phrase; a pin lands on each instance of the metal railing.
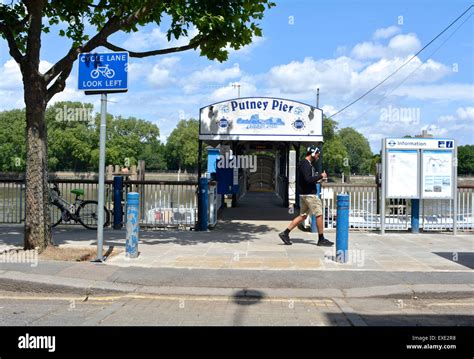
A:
(436, 214)
(165, 203)
(174, 204)
(12, 201)
(162, 203)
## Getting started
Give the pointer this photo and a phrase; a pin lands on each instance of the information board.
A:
(402, 174)
(437, 174)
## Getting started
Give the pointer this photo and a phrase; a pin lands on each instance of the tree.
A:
(335, 157)
(12, 140)
(358, 149)
(71, 128)
(220, 25)
(466, 160)
(182, 145)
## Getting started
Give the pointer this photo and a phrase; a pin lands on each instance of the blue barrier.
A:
(118, 210)
(133, 225)
(342, 228)
(203, 204)
(415, 216)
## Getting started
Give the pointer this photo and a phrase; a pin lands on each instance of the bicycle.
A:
(104, 71)
(81, 211)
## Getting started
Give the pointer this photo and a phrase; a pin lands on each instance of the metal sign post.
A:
(100, 224)
(382, 196)
(455, 188)
(102, 73)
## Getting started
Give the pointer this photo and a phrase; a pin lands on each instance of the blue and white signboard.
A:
(261, 119)
(420, 167)
(103, 72)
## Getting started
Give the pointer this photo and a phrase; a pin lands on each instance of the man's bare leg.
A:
(319, 224)
(297, 220)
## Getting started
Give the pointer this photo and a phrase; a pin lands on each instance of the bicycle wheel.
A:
(88, 214)
(55, 214)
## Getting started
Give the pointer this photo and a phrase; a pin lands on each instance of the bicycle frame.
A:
(64, 205)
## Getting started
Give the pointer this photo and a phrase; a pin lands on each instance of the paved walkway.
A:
(254, 245)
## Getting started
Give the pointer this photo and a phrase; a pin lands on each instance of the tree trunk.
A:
(37, 223)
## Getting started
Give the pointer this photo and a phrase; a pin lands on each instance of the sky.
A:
(344, 48)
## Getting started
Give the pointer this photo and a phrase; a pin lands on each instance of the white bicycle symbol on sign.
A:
(104, 71)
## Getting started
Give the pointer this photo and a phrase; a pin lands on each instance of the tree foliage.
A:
(12, 141)
(358, 150)
(182, 145)
(73, 142)
(466, 160)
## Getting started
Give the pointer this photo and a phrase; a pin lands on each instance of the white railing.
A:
(435, 215)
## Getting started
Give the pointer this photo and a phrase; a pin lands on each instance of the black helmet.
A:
(312, 150)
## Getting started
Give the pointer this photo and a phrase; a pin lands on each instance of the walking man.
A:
(309, 202)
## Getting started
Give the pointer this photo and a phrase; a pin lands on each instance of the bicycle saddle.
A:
(78, 191)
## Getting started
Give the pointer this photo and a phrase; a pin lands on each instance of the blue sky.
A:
(342, 47)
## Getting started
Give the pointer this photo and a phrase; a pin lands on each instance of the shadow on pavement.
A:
(463, 258)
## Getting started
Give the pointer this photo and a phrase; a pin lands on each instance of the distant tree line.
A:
(73, 143)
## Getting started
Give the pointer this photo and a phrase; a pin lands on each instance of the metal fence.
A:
(162, 203)
(436, 214)
(174, 204)
(165, 203)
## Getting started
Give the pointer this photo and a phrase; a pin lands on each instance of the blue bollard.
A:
(415, 216)
(118, 210)
(133, 225)
(204, 204)
(342, 228)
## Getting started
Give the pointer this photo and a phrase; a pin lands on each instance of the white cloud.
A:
(462, 120)
(300, 77)
(404, 44)
(247, 88)
(210, 74)
(160, 75)
(344, 78)
(247, 49)
(369, 50)
(435, 130)
(155, 39)
(328, 110)
(11, 86)
(446, 92)
(465, 113)
(10, 76)
(386, 32)
(399, 46)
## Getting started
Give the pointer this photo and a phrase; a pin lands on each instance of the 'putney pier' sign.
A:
(261, 119)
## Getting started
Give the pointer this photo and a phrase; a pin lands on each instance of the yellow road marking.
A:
(449, 304)
(171, 298)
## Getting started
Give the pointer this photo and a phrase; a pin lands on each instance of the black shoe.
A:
(285, 238)
(325, 243)
(302, 228)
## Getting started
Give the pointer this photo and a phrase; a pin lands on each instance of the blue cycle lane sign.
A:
(103, 72)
